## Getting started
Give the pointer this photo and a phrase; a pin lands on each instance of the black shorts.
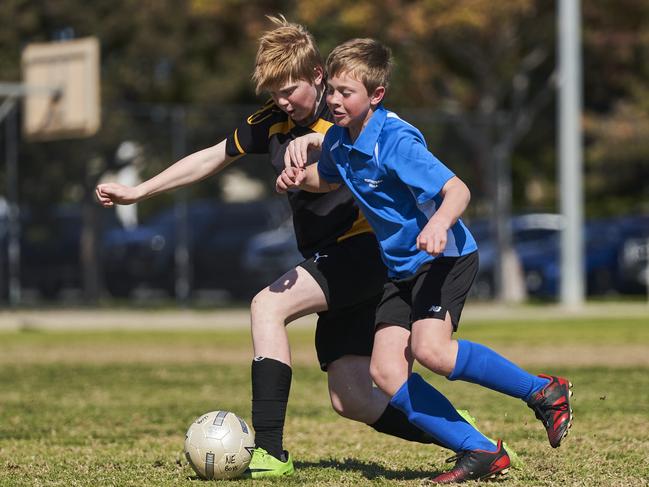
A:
(438, 287)
(352, 275)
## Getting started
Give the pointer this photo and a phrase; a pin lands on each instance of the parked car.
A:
(531, 236)
(50, 248)
(615, 259)
(537, 243)
(218, 234)
(271, 253)
(633, 254)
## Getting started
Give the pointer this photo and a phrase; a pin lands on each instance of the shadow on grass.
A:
(369, 470)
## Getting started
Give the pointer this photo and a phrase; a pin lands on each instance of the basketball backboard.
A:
(72, 68)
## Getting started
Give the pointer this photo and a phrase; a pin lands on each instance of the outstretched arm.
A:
(456, 197)
(193, 168)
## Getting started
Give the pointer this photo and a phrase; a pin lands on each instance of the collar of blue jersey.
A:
(368, 137)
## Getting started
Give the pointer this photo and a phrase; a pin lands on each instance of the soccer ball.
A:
(218, 445)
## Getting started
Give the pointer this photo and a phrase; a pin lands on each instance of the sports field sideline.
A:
(224, 318)
(623, 352)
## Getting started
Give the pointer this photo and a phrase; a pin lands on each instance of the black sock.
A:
(271, 384)
(394, 422)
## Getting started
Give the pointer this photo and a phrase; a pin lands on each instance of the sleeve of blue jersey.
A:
(326, 164)
(420, 170)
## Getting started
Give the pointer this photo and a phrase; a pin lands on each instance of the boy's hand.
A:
(297, 151)
(433, 237)
(291, 177)
(109, 194)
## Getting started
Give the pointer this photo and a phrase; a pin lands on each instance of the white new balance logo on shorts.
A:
(435, 308)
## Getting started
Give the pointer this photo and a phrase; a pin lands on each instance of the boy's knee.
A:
(386, 378)
(338, 405)
(351, 391)
(433, 358)
(267, 305)
(258, 302)
(348, 404)
(377, 374)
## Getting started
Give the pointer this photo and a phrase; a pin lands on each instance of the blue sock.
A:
(431, 412)
(481, 365)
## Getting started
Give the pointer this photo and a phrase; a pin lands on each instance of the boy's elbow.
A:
(461, 187)
(458, 187)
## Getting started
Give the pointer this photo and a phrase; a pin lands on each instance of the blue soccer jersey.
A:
(397, 182)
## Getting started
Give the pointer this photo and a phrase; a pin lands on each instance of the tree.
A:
(616, 121)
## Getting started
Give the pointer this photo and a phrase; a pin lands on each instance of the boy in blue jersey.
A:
(414, 204)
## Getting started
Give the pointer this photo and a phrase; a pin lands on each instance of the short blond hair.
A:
(367, 60)
(286, 53)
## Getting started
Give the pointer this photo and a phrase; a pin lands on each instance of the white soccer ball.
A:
(218, 445)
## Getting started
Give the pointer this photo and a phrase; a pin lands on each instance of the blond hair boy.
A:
(286, 53)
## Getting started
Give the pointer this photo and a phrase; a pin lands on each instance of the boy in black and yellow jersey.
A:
(341, 277)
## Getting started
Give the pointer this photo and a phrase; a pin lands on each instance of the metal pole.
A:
(13, 220)
(570, 153)
(183, 282)
(503, 218)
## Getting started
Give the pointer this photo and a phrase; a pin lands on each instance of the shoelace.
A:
(261, 453)
(457, 457)
(541, 410)
(264, 453)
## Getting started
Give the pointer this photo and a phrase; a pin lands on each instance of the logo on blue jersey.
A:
(373, 183)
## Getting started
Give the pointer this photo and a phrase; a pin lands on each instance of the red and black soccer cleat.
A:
(475, 465)
(552, 406)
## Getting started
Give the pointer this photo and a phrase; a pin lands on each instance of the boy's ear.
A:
(377, 95)
(318, 75)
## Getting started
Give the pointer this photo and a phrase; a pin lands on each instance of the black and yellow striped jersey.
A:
(319, 219)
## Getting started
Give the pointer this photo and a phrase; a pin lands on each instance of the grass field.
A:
(110, 408)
